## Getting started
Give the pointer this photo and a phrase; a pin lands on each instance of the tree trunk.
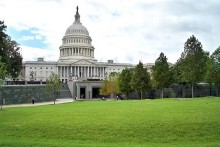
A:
(1, 100)
(127, 95)
(216, 87)
(162, 93)
(55, 97)
(183, 91)
(141, 95)
(192, 91)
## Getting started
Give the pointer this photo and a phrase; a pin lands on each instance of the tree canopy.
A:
(110, 86)
(3, 71)
(124, 81)
(53, 85)
(103, 88)
(161, 73)
(140, 81)
(193, 62)
(213, 68)
(10, 53)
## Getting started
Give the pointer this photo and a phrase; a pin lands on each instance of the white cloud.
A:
(27, 38)
(126, 31)
(32, 53)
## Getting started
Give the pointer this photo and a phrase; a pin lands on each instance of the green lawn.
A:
(166, 122)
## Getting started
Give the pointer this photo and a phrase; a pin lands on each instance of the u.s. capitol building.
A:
(76, 66)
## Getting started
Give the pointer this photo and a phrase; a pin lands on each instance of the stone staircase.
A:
(64, 92)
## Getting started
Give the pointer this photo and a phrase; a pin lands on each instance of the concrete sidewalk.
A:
(58, 101)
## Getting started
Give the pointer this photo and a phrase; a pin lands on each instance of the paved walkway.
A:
(58, 101)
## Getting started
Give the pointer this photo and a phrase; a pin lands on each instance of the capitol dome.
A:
(77, 27)
(77, 44)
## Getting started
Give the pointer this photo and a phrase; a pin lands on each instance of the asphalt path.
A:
(58, 101)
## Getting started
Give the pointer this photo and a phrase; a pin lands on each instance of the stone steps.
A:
(64, 92)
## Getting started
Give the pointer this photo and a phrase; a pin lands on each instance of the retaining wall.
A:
(17, 94)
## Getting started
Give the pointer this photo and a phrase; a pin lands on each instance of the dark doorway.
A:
(82, 93)
(95, 92)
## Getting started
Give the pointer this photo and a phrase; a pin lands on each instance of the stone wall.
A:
(17, 94)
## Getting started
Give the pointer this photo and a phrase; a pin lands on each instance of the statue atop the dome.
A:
(77, 16)
(77, 8)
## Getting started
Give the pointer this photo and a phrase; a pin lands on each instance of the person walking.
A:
(32, 99)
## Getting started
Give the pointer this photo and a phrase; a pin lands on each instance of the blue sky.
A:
(125, 31)
(27, 37)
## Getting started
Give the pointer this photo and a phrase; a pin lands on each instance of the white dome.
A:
(77, 44)
(76, 28)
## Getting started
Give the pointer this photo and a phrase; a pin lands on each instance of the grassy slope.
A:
(168, 122)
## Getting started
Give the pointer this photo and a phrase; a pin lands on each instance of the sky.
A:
(126, 31)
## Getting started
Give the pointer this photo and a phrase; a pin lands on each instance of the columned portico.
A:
(86, 71)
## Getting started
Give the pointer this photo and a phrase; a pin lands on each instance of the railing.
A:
(23, 82)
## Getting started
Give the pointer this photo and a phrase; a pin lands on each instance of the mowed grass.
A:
(163, 122)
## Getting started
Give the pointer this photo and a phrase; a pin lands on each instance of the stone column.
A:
(88, 71)
(103, 71)
(94, 71)
(82, 71)
(78, 71)
(67, 71)
(63, 71)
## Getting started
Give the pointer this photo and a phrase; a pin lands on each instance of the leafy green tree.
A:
(177, 76)
(140, 81)
(193, 62)
(3, 71)
(161, 73)
(213, 69)
(124, 81)
(10, 52)
(53, 85)
(3, 74)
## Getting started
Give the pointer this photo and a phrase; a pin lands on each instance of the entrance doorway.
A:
(82, 93)
(95, 92)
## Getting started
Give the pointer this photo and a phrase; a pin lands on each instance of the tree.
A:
(140, 79)
(3, 74)
(213, 69)
(161, 73)
(103, 88)
(10, 52)
(193, 62)
(124, 81)
(53, 85)
(110, 86)
(113, 87)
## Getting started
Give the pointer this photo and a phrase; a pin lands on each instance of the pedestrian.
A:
(32, 99)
